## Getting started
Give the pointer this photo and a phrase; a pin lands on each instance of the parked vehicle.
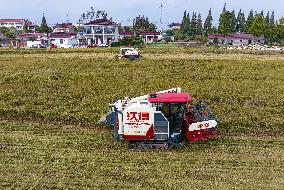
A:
(53, 46)
(92, 46)
(103, 45)
(35, 44)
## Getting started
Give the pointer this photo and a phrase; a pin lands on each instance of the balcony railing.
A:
(90, 30)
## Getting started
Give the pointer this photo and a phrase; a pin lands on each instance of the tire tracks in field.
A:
(53, 122)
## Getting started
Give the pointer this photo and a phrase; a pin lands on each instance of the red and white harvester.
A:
(161, 120)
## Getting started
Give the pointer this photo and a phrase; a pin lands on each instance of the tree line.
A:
(255, 23)
(192, 26)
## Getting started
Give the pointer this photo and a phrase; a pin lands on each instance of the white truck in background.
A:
(35, 44)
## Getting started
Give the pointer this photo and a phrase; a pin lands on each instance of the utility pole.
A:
(161, 18)
(67, 18)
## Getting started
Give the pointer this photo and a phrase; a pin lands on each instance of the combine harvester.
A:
(161, 120)
(129, 53)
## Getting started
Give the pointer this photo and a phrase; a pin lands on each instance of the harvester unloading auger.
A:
(161, 120)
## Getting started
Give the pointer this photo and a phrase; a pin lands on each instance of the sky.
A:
(123, 11)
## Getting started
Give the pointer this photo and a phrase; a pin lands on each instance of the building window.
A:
(88, 30)
(61, 41)
(98, 30)
(241, 40)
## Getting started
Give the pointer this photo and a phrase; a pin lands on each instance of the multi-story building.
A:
(17, 23)
(101, 31)
(64, 27)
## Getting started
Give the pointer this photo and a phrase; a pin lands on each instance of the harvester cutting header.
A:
(161, 119)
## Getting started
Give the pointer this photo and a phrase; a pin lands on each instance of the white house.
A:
(17, 23)
(64, 39)
(236, 39)
(101, 31)
(33, 39)
(64, 27)
(149, 37)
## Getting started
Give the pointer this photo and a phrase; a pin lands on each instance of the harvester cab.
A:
(161, 119)
(129, 53)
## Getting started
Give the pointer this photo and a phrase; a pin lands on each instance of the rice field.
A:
(51, 100)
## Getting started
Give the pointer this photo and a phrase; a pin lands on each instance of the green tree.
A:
(234, 21)
(132, 41)
(193, 24)
(225, 23)
(92, 14)
(250, 20)
(185, 29)
(272, 18)
(183, 22)
(275, 33)
(78, 29)
(208, 23)
(267, 18)
(125, 28)
(258, 26)
(241, 22)
(170, 32)
(10, 33)
(199, 25)
(26, 28)
(281, 21)
(142, 24)
(44, 27)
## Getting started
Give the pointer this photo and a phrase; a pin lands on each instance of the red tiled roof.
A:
(150, 33)
(245, 36)
(62, 34)
(216, 36)
(64, 25)
(103, 22)
(31, 35)
(126, 33)
(11, 20)
(28, 36)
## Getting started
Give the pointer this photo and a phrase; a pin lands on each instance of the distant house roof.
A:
(243, 36)
(62, 34)
(26, 36)
(64, 25)
(149, 33)
(141, 33)
(126, 33)
(11, 20)
(213, 36)
(103, 22)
